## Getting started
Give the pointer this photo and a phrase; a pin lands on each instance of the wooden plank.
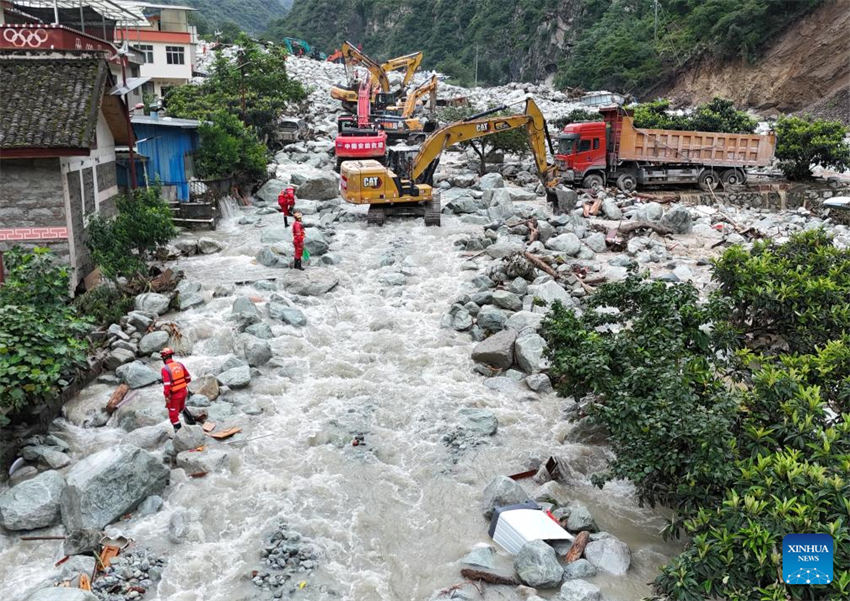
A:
(225, 433)
(116, 398)
(577, 548)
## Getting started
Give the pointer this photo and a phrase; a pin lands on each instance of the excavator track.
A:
(433, 211)
(376, 215)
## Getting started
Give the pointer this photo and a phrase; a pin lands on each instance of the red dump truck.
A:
(614, 151)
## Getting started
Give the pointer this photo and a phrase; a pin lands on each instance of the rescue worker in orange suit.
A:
(286, 201)
(175, 382)
(298, 239)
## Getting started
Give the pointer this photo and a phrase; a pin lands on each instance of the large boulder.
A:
(580, 519)
(491, 319)
(269, 192)
(104, 486)
(309, 283)
(321, 186)
(152, 302)
(481, 422)
(153, 342)
(579, 590)
(490, 181)
(568, 243)
(502, 491)
(137, 374)
(208, 246)
(567, 199)
(609, 554)
(257, 352)
(551, 291)
(528, 351)
(678, 219)
(58, 593)
(208, 460)
(118, 357)
(537, 565)
(244, 311)
(33, 503)
(188, 438)
(315, 242)
(497, 350)
(501, 205)
(580, 568)
(236, 377)
(206, 385)
(524, 320)
(507, 300)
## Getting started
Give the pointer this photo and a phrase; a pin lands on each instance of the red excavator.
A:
(358, 137)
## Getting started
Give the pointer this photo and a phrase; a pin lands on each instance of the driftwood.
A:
(489, 577)
(116, 398)
(577, 548)
(632, 226)
(592, 209)
(533, 232)
(539, 264)
(167, 280)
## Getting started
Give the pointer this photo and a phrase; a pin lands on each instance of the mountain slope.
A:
(252, 16)
(809, 63)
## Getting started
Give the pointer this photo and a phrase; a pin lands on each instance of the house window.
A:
(584, 146)
(174, 55)
(147, 52)
(595, 143)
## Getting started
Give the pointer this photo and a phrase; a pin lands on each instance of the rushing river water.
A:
(392, 516)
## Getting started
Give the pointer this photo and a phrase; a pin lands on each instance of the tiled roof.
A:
(50, 103)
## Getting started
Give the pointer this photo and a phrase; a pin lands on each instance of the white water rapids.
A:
(391, 516)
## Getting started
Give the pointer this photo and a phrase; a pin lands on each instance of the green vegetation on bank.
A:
(240, 102)
(594, 44)
(42, 341)
(733, 411)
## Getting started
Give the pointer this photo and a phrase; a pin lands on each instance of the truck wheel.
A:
(627, 182)
(593, 181)
(708, 180)
(733, 177)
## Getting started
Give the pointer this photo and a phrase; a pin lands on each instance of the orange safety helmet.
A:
(166, 353)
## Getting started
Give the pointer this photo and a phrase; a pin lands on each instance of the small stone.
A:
(580, 519)
(539, 383)
(497, 350)
(579, 590)
(208, 246)
(482, 557)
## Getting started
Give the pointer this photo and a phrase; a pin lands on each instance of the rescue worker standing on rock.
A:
(286, 201)
(175, 382)
(298, 239)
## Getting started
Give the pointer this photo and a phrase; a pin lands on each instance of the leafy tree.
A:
(228, 147)
(514, 140)
(746, 443)
(718, 115)
(121, 245)
(228, 32)
(805, 141)
(42, 338)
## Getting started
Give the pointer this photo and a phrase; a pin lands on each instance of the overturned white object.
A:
(515, 527)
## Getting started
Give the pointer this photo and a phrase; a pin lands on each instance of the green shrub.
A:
(805, 141)
(653, 367)
(795, 293)
(514, 140)
(718, 115)
(105, 304)
(42, 338)
(121, 245)
(575, 116)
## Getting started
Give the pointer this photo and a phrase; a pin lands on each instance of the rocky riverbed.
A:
(382, 396)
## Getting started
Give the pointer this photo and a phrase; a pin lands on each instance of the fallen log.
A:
(488, 577)
(116, 398)
(533, 231)
(42, 538)
(632, 226)
(539, 264)
(577, 548)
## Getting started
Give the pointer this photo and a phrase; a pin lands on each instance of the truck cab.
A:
(581, 153)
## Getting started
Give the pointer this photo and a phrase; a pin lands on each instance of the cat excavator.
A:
(352, 57)
(405, 186)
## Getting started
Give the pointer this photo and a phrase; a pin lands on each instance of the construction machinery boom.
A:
(406, 186)
(354, 57)
(409, 62)
(429, 87)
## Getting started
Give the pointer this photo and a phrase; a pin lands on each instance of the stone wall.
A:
(31, 196)
(773, 197)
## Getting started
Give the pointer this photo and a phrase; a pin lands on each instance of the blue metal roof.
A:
(167, 144)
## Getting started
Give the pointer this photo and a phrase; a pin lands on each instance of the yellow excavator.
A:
(406, 185)
(411, 103)
(409, 62)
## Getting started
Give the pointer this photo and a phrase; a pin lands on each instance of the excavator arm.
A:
(353, 57)
(409, 62)
(481, 125)
(429, 87)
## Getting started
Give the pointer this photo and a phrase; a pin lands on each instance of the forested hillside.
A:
(626, 45)
(252, 16)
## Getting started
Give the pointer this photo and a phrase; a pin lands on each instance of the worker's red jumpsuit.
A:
(286, 201)
(175, 381)
(298, 238)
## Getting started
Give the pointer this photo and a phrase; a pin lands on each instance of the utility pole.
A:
(476, 66)
(655, 27)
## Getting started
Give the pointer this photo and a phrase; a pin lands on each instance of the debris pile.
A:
(129, 576)
(291, 558)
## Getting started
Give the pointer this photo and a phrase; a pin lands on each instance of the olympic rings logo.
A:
(25, 37)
